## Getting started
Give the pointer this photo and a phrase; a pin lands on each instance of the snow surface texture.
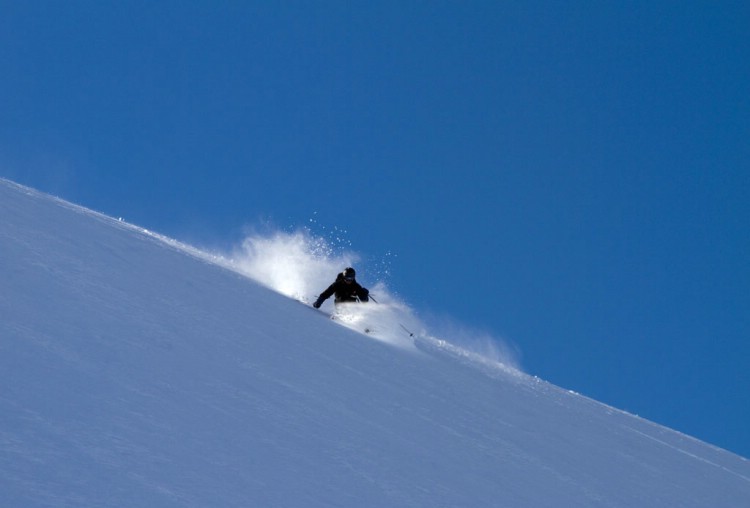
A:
(136, 371)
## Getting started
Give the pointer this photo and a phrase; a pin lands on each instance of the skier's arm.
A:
(325, 295)
(363, 294)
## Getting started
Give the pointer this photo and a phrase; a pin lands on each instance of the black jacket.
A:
(344, 291)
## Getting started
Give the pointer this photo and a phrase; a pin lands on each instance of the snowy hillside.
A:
(136, 372)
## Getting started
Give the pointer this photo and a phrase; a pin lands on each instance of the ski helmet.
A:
(349, 273)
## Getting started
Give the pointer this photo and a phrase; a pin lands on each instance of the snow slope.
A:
(138, 372)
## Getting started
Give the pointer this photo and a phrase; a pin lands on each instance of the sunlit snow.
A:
(137, 371)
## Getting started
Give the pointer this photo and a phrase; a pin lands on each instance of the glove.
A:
(317, 304)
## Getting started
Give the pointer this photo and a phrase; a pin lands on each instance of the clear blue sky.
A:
(571, 176)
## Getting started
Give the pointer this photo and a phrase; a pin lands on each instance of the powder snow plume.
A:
(301, 265)
(297, 264)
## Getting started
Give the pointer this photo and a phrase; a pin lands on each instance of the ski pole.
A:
(406, 330)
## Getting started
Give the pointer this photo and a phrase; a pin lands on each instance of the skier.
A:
(345, 288)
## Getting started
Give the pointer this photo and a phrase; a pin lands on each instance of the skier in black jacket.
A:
(345, 288)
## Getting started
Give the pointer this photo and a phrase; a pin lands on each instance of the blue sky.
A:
(570, 176)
